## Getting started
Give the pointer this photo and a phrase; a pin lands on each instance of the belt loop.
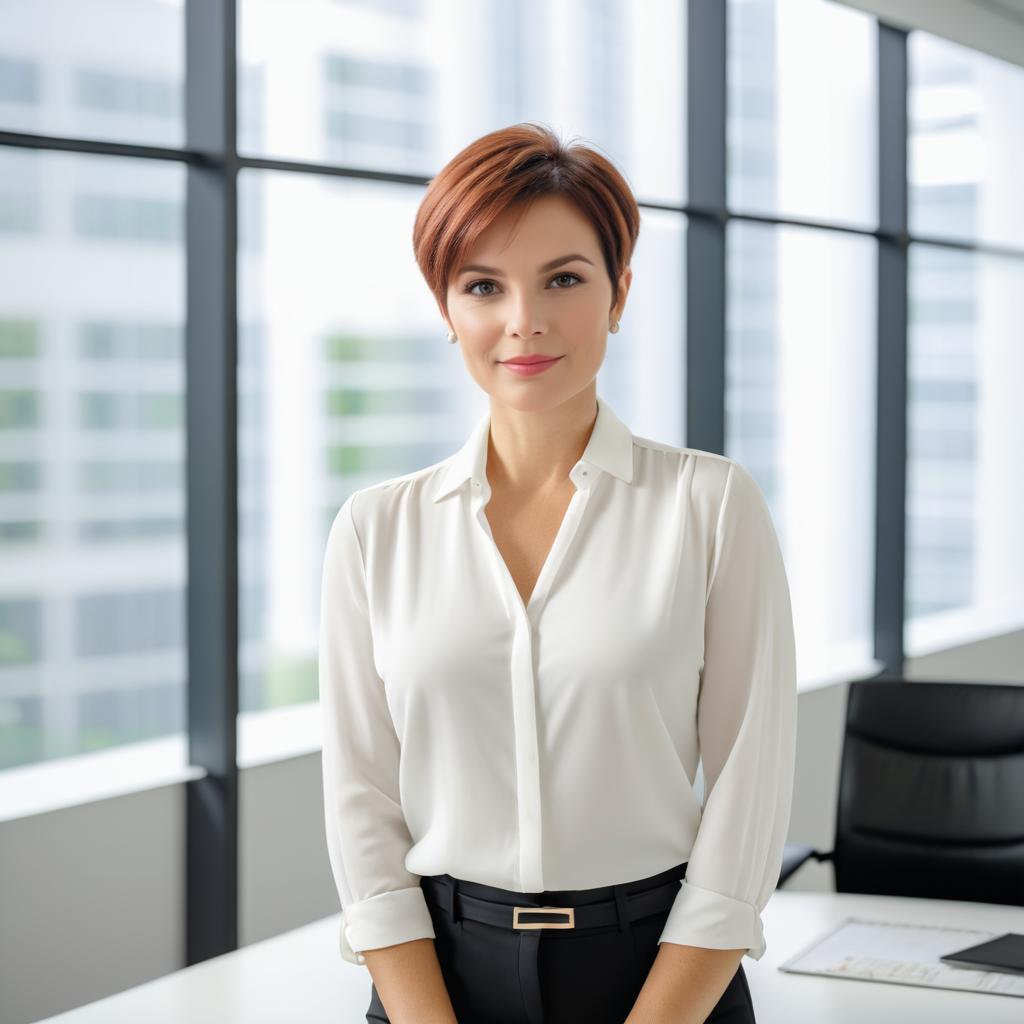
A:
(620, 908)
(453, 897)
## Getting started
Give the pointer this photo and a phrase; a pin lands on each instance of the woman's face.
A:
(503, 303)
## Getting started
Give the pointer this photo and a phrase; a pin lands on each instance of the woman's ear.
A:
(625, 280)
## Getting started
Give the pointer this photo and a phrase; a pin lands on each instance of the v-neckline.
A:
(552, 558)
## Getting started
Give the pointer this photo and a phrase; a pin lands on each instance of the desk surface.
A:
(795, 920)
(300, 976)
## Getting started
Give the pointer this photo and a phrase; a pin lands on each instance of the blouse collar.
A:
(610, 448)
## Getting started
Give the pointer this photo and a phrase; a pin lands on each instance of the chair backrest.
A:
(931, 791)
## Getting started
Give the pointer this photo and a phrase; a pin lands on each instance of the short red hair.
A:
(511, 166)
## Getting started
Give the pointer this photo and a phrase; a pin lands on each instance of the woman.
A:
(527, 647)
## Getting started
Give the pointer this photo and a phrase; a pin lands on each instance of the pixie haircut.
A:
(506, 169)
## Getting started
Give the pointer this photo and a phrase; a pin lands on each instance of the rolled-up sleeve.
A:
(746, 723)
(367, 836)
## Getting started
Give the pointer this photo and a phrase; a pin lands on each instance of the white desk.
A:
(794, 920)
(300, 976)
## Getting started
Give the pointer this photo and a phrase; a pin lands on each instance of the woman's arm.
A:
(684, 984)
(410, 984)
(368, 838)
(746, 725)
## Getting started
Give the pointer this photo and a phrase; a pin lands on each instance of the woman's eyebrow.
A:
(550, 265)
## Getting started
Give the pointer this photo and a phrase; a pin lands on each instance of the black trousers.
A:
(590, 973)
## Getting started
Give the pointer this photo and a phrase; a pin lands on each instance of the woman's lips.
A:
(530, 369)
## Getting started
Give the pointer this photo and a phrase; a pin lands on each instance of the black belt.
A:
(591, 915)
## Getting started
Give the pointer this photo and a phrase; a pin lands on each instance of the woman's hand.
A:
(684, 984)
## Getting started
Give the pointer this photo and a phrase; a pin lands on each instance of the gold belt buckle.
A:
(518, 923)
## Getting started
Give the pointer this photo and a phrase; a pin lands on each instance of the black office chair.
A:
(931, 793)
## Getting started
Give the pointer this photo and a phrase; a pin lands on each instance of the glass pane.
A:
(800, 415)
(966, 145)
(102, 70)
(346, 378)
(643, 375)
(801, 121)
(965, 472)
(401, 86)
(91, 453)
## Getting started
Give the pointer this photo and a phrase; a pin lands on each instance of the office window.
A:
(643, 375)
(363, 386)
(965, 470)
(801, 111)
(800, 415)
(345, 376)
(341, 84)
(91, 451)
(966, 143)
(102, 69)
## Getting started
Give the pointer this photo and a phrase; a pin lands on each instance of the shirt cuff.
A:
(384, 920)
(701, 917)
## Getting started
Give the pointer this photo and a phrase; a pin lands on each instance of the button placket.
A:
(524, 682)
(524, 703)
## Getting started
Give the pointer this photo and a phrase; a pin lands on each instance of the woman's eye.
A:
(573, 276)
(484, 295)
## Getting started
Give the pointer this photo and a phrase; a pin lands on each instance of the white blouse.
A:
(555, 745)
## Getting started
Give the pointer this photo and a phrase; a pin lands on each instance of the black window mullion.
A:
(211, 466)
(705, 229)
(891, 405)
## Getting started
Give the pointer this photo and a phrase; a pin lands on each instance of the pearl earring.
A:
(452, 338)
(615, 327)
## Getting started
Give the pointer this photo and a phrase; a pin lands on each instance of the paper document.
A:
(902, 954)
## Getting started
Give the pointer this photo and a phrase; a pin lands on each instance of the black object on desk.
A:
(1004, 953)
